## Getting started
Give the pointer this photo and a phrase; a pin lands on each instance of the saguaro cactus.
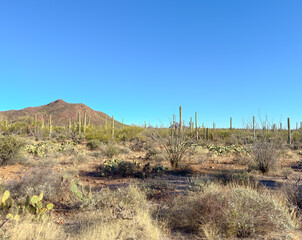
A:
(79, 123)
(42, 123)
(289, 132)
(274, 127)
(207, 133)
(112, 129)
(254, 129)
(35, 124)
(196, 128)
(85, 125)
(180, 119)
(231, 123)
(50, 125)
(69, 126)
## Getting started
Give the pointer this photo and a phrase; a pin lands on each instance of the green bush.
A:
(10, 150)
(129, 133)
(116, 167)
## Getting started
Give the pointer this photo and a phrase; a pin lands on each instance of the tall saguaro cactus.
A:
(79, 123)
(85, 124)
(180, 118)
(254, 129)
(69, 126)
(42, 123)
(231, 123)
(289, 132)
(50, 125)
(196, 128)
(35, 124)
(112, 129)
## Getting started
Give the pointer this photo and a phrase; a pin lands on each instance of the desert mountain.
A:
(61, 112)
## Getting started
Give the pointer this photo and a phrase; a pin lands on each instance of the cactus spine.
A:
(289, 132)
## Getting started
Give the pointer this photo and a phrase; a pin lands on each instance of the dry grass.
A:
(29, 230)
(231, 211)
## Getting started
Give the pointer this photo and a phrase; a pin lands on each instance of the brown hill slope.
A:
(61, 112)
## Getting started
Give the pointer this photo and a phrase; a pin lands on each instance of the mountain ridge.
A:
(61, 113)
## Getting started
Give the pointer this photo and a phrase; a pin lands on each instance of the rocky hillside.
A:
(60, 112)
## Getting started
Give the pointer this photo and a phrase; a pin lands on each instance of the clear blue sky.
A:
(140, 60)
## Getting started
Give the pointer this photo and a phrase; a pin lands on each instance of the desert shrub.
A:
(116, 167)
(129, 133)
(98, 154)
(198, 183)
(10, 150)
(93, 144)
(239, 178)
(111, 150)
(68, 148)
(233, 211)
(176, 147)
(38, 150)
(121, 214)
(220, 149)
(79, 158)
(286, 172)
(39, 180)
(265, 153)
(137, 145)
(293, 193)
(151, 153)
(124, 150)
